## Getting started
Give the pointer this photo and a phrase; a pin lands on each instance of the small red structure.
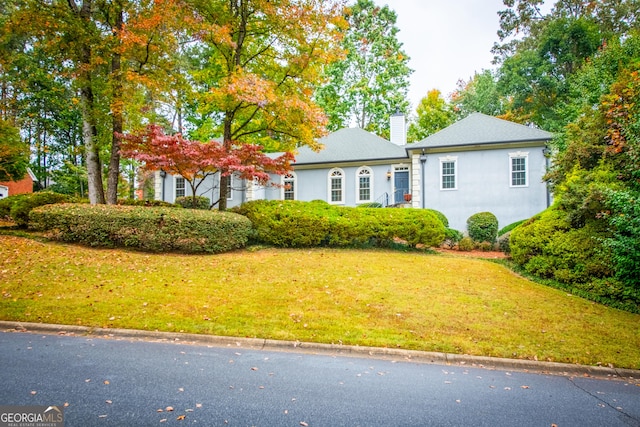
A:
(11, 188)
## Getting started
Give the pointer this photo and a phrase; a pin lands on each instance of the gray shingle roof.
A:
(350, 145)
(477, 129)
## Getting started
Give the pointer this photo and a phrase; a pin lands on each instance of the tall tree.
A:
(371, 82)
(540, 49)
(105, 49)
(14, 157)
(264, 60)
(434, 114)
(479, 95)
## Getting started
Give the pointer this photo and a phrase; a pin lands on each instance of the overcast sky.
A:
(447, 40)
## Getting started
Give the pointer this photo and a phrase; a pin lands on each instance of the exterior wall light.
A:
(389, 175)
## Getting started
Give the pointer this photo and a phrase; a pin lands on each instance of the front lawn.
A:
(367, 297)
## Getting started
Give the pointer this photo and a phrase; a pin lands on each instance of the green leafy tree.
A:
(13, 154)
(102, 53)
(371, 82)
(479, 95)
(434, 114)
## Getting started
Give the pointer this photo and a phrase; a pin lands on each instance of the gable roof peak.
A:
(479, 128)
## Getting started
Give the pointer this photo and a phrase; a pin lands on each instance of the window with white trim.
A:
(518, 169)
(336, 186)
(230, 187)
(289, 187)
(448, 173)
(180, 186)
(364, 184)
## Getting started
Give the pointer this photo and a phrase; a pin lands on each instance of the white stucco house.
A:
(478, 164)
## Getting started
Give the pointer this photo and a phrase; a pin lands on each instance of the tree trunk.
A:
(89, 131)
(116, 114)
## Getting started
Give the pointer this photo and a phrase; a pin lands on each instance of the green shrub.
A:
(548, 246)
(156, 229)
(441, 217)
(466, 244)
(625, 242)
(189, 202)
(24, 203)
(299, 224)
(452, 237)
(483, 227)
(7, 203)
(503, 242)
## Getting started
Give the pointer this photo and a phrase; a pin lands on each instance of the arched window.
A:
(289, 186)
(336, 186)
(364, 185)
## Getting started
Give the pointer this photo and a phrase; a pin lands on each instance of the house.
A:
(478, 164)
(481, 164)
(25, 185)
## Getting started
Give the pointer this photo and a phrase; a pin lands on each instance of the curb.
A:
(492, 363)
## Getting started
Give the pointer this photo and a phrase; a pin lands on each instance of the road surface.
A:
(125, 382)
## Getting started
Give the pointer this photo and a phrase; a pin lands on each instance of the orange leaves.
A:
(621, 109)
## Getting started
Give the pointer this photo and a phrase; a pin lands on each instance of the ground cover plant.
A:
(379, 298)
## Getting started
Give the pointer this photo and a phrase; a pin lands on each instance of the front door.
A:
(401, 180)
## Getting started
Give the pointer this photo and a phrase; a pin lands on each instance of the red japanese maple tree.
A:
(196, 160)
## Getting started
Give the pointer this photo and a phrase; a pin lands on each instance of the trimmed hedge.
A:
(155, 229)
(483, 227)
(305, 224)
(19, 206)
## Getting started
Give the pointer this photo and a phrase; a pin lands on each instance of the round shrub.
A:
(189, 202)
(22, 206)
(483, 227)
(466, 244)
(155, 229)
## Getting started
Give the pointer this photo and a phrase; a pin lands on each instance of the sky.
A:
(447, 40)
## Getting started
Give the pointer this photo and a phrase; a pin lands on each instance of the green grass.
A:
(365, 297)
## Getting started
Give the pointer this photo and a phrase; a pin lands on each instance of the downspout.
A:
(547, 153)
(423, 162)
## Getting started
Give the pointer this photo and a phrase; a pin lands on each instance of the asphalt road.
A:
(122, 382)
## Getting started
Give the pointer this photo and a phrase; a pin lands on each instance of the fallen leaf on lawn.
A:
(507, 388)
(102, 416)
(457, 400)
(160, 410)
(181, 389)
(164, 420)
(66, 404)
(181, 417)
(198, 405)
(261, 387)
(88, 380)
(303, 424)
(169, 408)
(33, 392)
(109, 402)
(524, 386)
(254, 369)
(106, 382)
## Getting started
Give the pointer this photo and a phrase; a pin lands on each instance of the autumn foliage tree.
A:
(262, 63)
(195, 160)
